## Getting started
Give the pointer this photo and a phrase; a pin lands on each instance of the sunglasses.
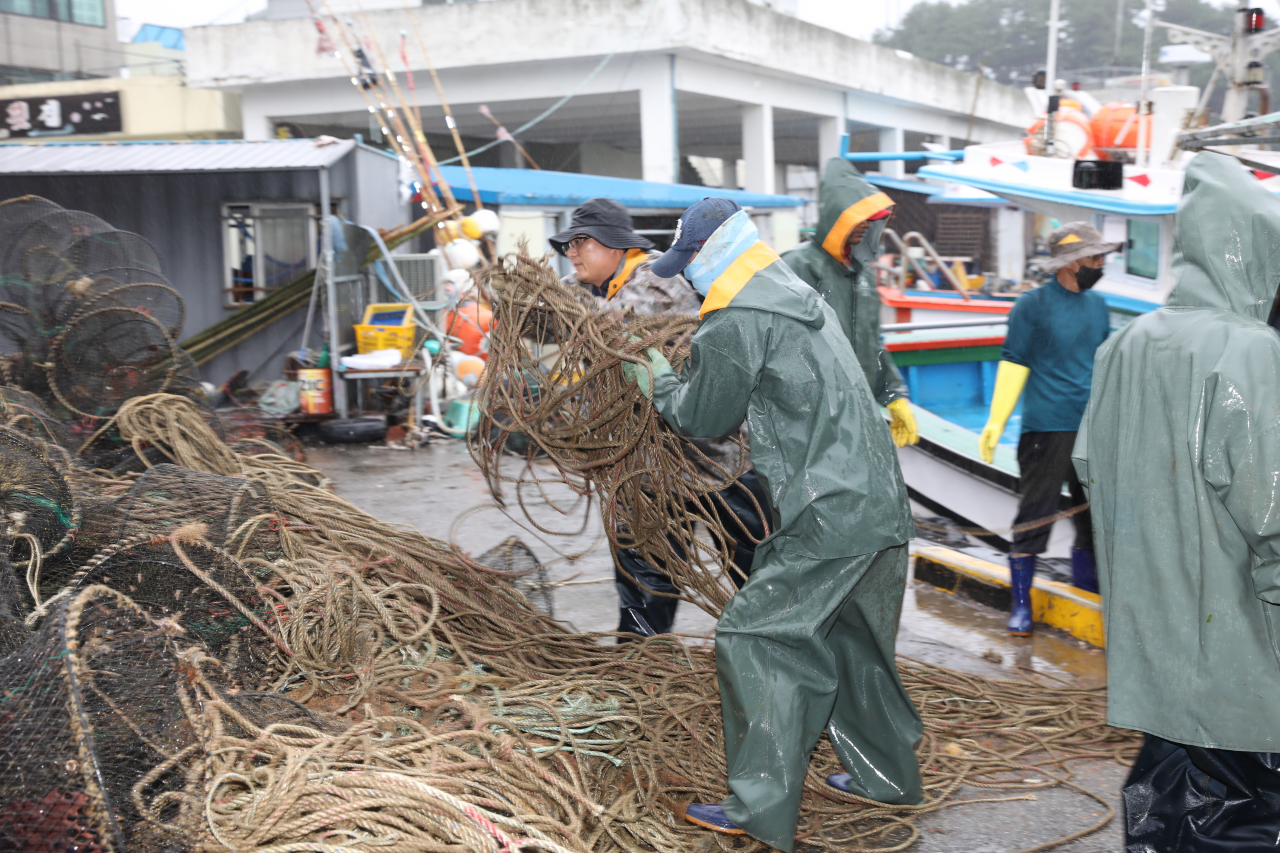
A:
(576, 243)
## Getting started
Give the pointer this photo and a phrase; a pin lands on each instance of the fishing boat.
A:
(946, 342)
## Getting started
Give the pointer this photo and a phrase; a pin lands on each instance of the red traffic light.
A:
(1254, 20)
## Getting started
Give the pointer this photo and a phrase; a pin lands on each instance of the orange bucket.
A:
(315, 391)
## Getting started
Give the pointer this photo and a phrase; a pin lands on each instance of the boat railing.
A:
(903, 243)
(999, 320)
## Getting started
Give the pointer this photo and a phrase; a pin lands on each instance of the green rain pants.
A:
(808, 645)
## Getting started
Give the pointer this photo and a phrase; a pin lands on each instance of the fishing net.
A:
(514, 559)
(247, 661)
(554, 376)
(93, 724)
(87, 317)
(40, 514)
(108, 356)
(160, 302)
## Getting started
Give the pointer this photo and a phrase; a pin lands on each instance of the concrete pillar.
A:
(757, 148)
(257, 124)
(830, 133)
(891, 139)
(658, 123)
(729, 168)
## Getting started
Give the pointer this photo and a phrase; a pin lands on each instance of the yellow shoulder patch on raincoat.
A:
(733, 279)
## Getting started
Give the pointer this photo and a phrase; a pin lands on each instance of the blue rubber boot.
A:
(1084, 570)
(1022, 571)
(711, 817)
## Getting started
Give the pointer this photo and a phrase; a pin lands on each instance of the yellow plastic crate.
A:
(374, 338)
(387, 325)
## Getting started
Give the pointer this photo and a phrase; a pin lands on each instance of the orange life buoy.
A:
(1071, 132)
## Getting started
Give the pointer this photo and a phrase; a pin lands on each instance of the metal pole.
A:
(1144, 102)
(675, 125)
(1051, 62)
(331, 294)
(1115, 50)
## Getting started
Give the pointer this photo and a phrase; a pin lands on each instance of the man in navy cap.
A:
(808, 643)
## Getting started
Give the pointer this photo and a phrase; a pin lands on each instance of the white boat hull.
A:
(971, 497)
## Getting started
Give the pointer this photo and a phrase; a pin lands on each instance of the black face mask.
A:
(1087, 277)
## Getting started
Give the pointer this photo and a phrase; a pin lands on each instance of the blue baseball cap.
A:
(696, 225)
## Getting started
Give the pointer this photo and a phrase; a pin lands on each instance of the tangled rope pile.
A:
(259, 665)
(554, 376)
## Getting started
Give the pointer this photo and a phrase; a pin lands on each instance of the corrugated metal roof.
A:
(232, 155)
(570, 189)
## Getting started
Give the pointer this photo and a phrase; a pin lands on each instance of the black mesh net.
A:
(514, 559)
(107, 356)
(87, 317)
(35, 496)
(94, 731)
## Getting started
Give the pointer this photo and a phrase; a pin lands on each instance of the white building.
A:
(653, 82)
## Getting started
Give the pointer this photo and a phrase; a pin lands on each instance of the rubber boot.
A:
(1084, 570)
(1022, 572)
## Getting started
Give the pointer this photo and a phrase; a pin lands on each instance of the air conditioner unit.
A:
(423, 275)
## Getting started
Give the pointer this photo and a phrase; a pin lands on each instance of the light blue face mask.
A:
(734, 236)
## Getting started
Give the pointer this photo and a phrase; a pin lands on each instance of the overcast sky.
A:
(859, 18)
(856, 17)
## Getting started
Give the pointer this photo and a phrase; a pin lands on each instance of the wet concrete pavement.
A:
(439, 490)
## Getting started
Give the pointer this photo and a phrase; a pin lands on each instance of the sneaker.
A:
(840, 781)
(711, 817)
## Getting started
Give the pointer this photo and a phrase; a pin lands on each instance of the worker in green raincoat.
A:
(839, 263)
(807, 644)
(1179, 450)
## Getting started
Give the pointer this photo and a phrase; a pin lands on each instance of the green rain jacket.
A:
(771, 353)
(846, 199)
(1180, 452)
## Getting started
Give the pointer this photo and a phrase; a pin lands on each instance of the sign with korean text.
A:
(64, 115)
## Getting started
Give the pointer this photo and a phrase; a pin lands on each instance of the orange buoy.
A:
(1071, 132)
(470, 324)
(1116, 126)
(468, 370)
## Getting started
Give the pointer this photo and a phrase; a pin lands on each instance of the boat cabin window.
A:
(1142, 250)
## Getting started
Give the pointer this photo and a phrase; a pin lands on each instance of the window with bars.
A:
(267, 245)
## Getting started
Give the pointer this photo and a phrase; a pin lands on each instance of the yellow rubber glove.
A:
(902, 424)
(1010, 380)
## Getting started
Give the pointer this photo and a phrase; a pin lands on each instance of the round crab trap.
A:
(107, 356)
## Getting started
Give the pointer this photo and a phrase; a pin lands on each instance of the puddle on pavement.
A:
(950, 631)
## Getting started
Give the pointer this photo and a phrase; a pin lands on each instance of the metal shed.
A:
(207, 206)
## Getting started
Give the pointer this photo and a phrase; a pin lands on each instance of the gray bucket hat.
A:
(1074, 241)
